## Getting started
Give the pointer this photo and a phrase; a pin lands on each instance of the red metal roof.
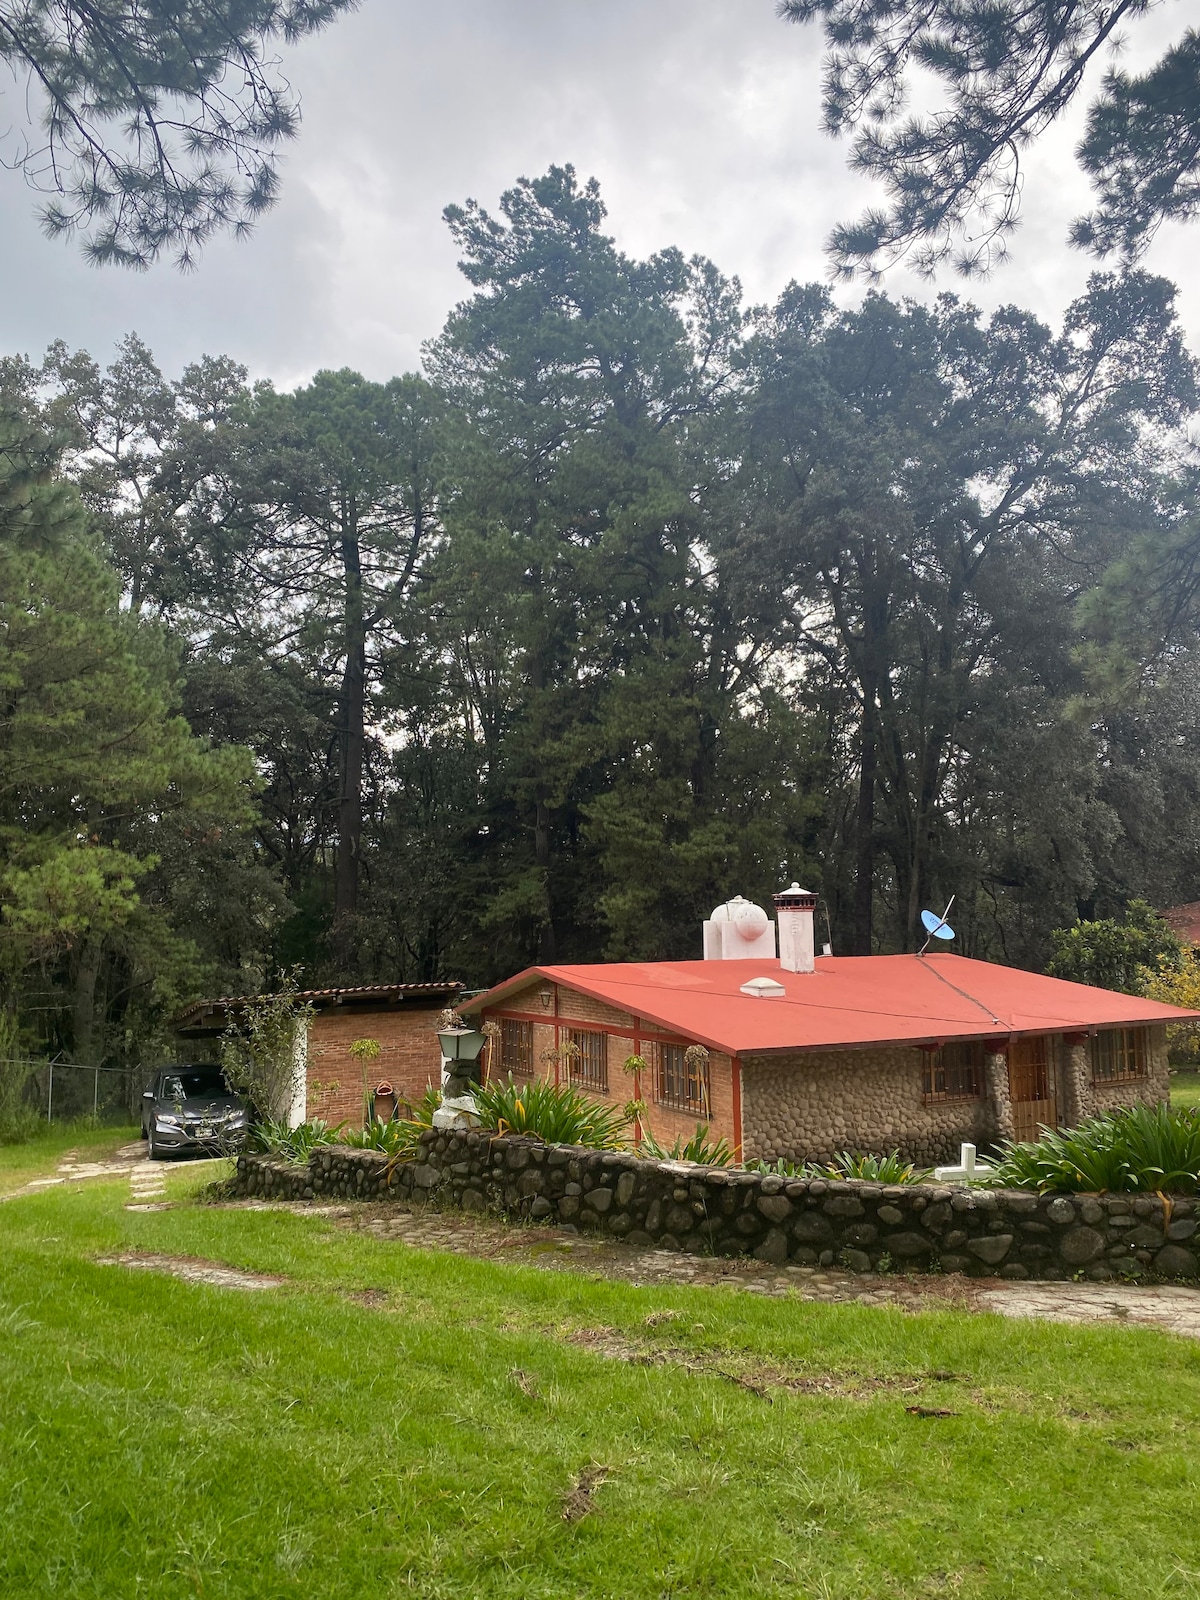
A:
(1184, 921)
(847, 1003)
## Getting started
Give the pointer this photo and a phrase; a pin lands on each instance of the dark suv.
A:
(191, 1108)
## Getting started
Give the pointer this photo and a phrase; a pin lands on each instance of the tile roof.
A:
(848, 1002)
(385, 993)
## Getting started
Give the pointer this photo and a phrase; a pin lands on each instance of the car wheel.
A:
(153, 1151)
(145, 1133)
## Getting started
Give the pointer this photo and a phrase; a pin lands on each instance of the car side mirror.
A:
(147, 1094)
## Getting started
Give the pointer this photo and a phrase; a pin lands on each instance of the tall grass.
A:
(1145, 1148)
(399, 1136)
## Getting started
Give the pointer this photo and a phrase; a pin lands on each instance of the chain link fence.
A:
(65, 1091)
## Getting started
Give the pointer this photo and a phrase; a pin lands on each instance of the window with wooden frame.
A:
(952, 1072)
(1119, 1055)
(516, 1048)
(679, 1083)
(588, 1060)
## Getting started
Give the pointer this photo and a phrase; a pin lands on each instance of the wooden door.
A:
(1031, 1087)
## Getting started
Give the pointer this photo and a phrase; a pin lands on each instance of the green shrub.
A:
(292, 1144)
(778, 1169)
(395, 1138)
(1116, 955)
(698, 1148)
(559, 1115)
(422, 1111)
(891, 1168)
(1145, 1148)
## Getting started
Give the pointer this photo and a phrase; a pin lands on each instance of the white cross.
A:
(968, 1170)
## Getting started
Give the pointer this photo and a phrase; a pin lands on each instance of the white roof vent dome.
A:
(749, 920)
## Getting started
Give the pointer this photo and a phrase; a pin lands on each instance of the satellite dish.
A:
(936, 927)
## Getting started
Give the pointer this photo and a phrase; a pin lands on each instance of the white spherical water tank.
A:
(738, 929)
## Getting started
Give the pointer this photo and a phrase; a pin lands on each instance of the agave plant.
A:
(891, 1168)
(292, 1144)
(1147, 1148)
(699, 1148)
(395, 1137)
(781, 1168)
(557, 1114)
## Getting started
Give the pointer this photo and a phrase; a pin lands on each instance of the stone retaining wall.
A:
(709, 1210)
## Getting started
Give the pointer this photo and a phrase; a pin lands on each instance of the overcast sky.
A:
(700, 118)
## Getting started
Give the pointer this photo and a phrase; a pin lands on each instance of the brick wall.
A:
(627, 1036)
(409, 1058)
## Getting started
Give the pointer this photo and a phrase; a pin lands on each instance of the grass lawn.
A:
(399, 1422)
(1185, 1087)
(40, 1155)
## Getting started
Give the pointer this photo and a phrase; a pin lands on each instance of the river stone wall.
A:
(675, 1205)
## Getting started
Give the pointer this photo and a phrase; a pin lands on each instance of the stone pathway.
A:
(147, 1182)
(147, 1179)
(1172, 1307)
(192, 1269)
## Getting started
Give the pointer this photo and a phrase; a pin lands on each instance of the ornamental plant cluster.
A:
(1145, 1149)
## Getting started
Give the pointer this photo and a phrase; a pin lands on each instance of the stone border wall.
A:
(675, 1205)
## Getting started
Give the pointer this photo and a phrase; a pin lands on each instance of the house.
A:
(331, 1081)
(801, 1055)
(1184, 921)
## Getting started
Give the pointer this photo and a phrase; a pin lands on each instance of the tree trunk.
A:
(351, 734)
(864, 879)
(547, 943)
(87, 973)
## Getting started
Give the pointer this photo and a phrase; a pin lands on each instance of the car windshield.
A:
(197, 1084)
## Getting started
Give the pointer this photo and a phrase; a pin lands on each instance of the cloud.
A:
(700, 118)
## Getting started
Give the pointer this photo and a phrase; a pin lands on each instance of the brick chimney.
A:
(794, 910)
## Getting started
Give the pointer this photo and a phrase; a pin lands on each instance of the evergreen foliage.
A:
(121, 832)
(159, 124)
(1143, 1148)
(1007, 70)
(632, 600)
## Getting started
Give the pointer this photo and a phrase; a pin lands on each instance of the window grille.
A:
(1119, 1055)
(679, 1083)
(516, 1048)
(952, 1072)
(588, 1061)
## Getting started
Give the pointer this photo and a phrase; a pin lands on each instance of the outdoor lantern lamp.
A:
(461, 1048)
(461, 1045)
